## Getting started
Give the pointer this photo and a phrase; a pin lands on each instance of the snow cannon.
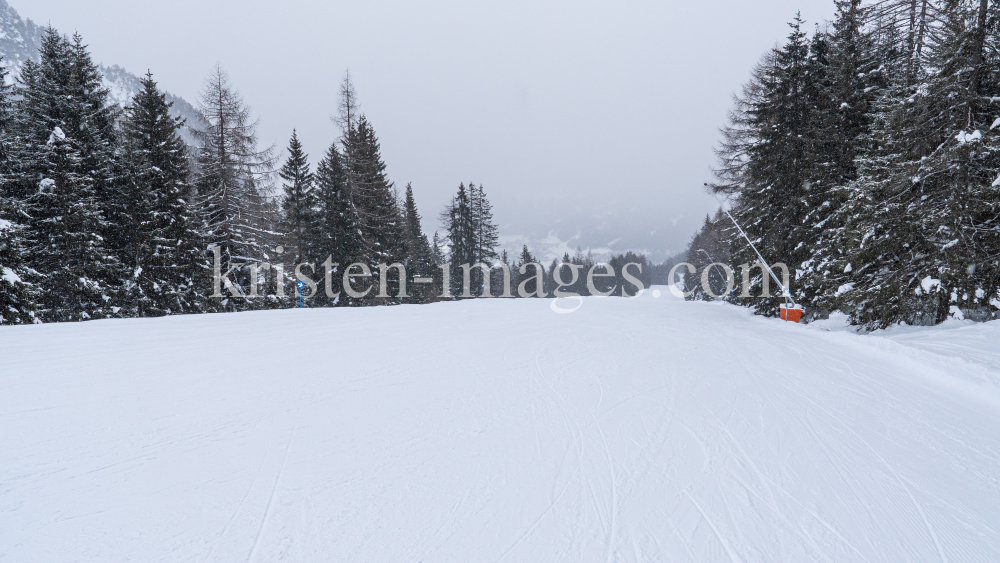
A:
(789, 310)
(791, 313)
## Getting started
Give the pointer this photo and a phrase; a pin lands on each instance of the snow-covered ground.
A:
(645, 429)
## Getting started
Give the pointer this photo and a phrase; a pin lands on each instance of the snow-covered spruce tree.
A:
(472, 236)
(642, 273)
(375, 201)
(528, 277)
(66, 155)
(838, 261)
(829, 271)
(906, 25)
(766, 159)
(843, 94)
(961, 179)
(162, 250)
(419, 256)
(486, 233)
(840, 79)
(299, 205)
(76, 273)
(732, 174)
(928, 239)
(94, 120)
(233, 187)
(436, 249)
(549, 283)
(16, 299)
(497, 280)
(712, 244)
(338, 236)
(458, 220)
(65, 89)
(585, 261)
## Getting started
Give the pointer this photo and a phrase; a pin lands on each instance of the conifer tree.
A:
(486, 232)
(642, 272)
(923, 217)
(767, 158)
(713, 244)
(841, 130)
(472, 235)
(549, 282)
(233, 184)
(348, 107)
(908, 25)
(439, 257)
(458, 220)
(497, 279)
(66, 158)
(847, 96)
(375, 200)
(163, 250)
(16, 299)
(338, 239)
(93, 119)
(419, 256)
(300, 201)
(65, 90)
(373, 195)
(780, 163)
(529, 275)
(896, 146)
(75, 272)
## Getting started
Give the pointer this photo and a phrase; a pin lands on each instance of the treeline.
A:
(107, 212)
(866, 158)
(472, 239)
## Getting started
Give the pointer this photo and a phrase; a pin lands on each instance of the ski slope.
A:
(646, 429)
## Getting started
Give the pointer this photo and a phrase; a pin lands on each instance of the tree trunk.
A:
(979, 44)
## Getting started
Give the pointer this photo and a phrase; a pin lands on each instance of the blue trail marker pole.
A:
(298, 287)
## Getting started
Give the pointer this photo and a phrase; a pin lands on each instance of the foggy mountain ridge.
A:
(552, 229)
(21, 38)
(603, 234)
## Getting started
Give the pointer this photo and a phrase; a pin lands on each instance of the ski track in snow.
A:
(631, 430)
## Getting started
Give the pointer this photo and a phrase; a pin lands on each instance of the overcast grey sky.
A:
(587, 119)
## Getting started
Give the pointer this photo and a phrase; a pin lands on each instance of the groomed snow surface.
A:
(646, 429)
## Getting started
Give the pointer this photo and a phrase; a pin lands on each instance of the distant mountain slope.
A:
(123, 85)
(19, 39)
(19, 42)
